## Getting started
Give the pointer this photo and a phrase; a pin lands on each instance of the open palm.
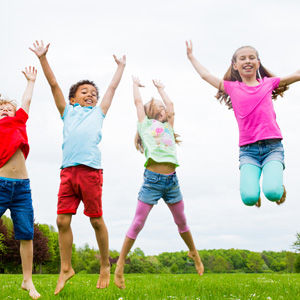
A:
(39, 48)
(30, 73)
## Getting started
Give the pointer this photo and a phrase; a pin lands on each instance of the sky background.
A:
(84, 35)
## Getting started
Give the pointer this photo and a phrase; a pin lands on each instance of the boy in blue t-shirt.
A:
(81, 174)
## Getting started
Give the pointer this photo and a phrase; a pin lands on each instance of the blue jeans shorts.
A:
(15, 194)
(158, 186)
(262, 152)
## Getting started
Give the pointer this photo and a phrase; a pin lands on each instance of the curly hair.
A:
(233, 75)
(151, 114)
(74, 87)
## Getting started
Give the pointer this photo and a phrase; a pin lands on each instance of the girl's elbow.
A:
(138, 102)
(205, 76)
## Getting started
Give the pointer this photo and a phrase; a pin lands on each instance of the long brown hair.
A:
(151, 113)
(233, 75)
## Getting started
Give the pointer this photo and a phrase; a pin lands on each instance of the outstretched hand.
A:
(136, 81)
(39, 49)
(120, 61)
(30, 73)
(189, 48)
(158, 84)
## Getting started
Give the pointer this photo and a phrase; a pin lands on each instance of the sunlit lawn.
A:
(166, 286)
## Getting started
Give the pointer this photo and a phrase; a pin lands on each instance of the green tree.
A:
(290, 261)
(255, 262)
(40, 249)
(2, 245)
(297, 264)
(296, 244)
(174, 268)
(220, 265)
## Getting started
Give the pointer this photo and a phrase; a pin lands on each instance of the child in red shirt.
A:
(15, 193)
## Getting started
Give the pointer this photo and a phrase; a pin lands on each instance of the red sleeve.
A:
(22, 115)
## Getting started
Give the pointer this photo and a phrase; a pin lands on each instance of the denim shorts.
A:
(262, 152)
(15, 194)
(158, 186)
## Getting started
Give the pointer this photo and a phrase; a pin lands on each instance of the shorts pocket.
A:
(151, 179)
(244, 148)
(276, 146)
(2, 186)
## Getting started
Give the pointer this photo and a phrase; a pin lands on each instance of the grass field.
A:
(168, 287)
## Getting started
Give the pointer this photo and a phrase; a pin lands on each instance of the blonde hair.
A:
(8, 101)
(233, 75)
(150, 112)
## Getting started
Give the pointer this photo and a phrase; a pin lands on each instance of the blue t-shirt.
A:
(82, 134)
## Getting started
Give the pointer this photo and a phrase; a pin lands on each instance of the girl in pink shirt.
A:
(248, 88)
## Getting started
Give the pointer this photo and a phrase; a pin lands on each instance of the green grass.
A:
(166, 286)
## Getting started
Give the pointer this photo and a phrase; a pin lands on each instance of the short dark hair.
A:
(74, 87)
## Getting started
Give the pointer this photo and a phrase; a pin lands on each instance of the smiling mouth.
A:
(248, 67)
(4, 115)
(88, 101)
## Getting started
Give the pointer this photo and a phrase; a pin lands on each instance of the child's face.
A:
(7, 110)
(86, 95)
(247, 62)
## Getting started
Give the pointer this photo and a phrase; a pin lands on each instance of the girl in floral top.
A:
(156, 138)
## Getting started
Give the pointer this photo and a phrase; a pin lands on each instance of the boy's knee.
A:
(96, 223)
(250, 199)
(63, 222)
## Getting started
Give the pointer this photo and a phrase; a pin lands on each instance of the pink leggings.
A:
(143, 210)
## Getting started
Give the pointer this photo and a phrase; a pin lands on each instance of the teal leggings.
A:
(272, 185)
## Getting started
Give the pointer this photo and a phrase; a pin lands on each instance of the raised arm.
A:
(290, 79)
(30, 75)
(138, 102)
(167, 101)
(201, 70)
(109, 94)
(40, 50)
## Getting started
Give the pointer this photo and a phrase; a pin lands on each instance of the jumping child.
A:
(81, 174)
(248, 88)
(156, 138)
(15, 193)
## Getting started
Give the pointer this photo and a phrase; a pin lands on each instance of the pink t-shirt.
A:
(253, 109)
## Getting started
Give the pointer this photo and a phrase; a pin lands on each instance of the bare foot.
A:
(62, 279)
(29, 286)
(283, 197)
(258, 203)
(119, 277)
(104, 277)
(194, 255)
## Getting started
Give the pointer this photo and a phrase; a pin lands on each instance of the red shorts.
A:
(80, 183)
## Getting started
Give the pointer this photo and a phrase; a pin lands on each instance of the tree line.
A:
(46, 258)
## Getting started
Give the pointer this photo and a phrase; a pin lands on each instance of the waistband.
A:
(14, 180)
(148, 172)
(264, 142)
(83, 167)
